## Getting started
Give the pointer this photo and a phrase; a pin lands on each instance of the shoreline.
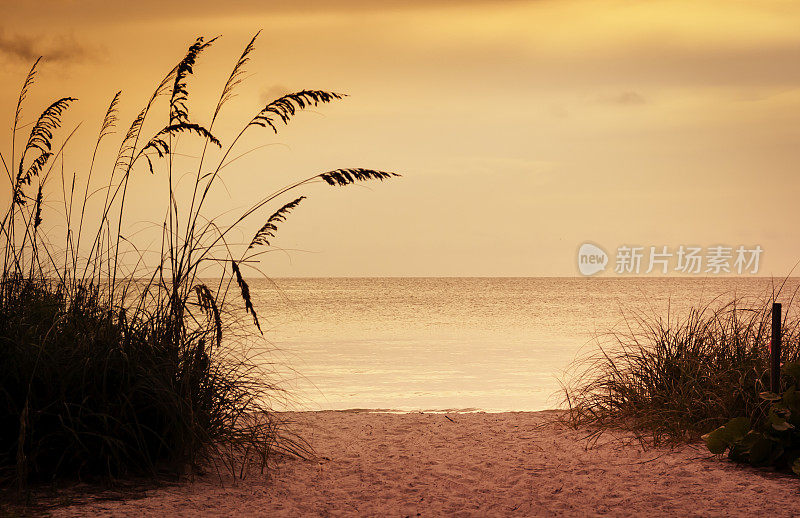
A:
(468, 464)
(426, 412)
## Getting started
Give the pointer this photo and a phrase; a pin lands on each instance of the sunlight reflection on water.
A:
(496, 344)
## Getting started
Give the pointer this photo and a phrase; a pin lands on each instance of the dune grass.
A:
(116, 364)
(671, 379)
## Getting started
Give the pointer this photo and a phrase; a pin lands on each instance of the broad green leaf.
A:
(736, 428)
(792, 369)
(779, 423)
(791, 398)
(715, 441)
(760, 450)
(776, 452)
(770, 396)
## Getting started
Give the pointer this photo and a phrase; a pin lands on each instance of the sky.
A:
(522, 129)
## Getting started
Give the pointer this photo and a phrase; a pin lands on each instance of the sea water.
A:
(494, 344)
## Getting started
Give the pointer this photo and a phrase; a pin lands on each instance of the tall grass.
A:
(110, 368)
(673, 379)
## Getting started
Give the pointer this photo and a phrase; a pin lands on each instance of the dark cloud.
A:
(627, 98)
(27, 48)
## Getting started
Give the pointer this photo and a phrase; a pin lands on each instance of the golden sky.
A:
(522, 129)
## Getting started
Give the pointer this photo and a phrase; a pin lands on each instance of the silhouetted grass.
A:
(110, 367)
(669, 379)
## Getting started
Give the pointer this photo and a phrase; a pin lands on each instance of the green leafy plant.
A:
(775, 440)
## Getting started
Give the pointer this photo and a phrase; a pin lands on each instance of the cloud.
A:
(271, 93)
(27, 48)
(112, 10)
(627, 98)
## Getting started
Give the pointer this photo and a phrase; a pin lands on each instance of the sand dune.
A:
(476, 464)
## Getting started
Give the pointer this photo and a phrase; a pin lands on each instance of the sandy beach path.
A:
(470, 464)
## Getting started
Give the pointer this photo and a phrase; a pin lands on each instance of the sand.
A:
(469, 464)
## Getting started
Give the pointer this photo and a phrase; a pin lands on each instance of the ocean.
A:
(492, 344)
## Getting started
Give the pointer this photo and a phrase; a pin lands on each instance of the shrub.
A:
(671, 379)
(110, 370)
(773, 441)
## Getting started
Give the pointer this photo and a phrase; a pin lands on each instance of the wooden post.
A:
(775, 351)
